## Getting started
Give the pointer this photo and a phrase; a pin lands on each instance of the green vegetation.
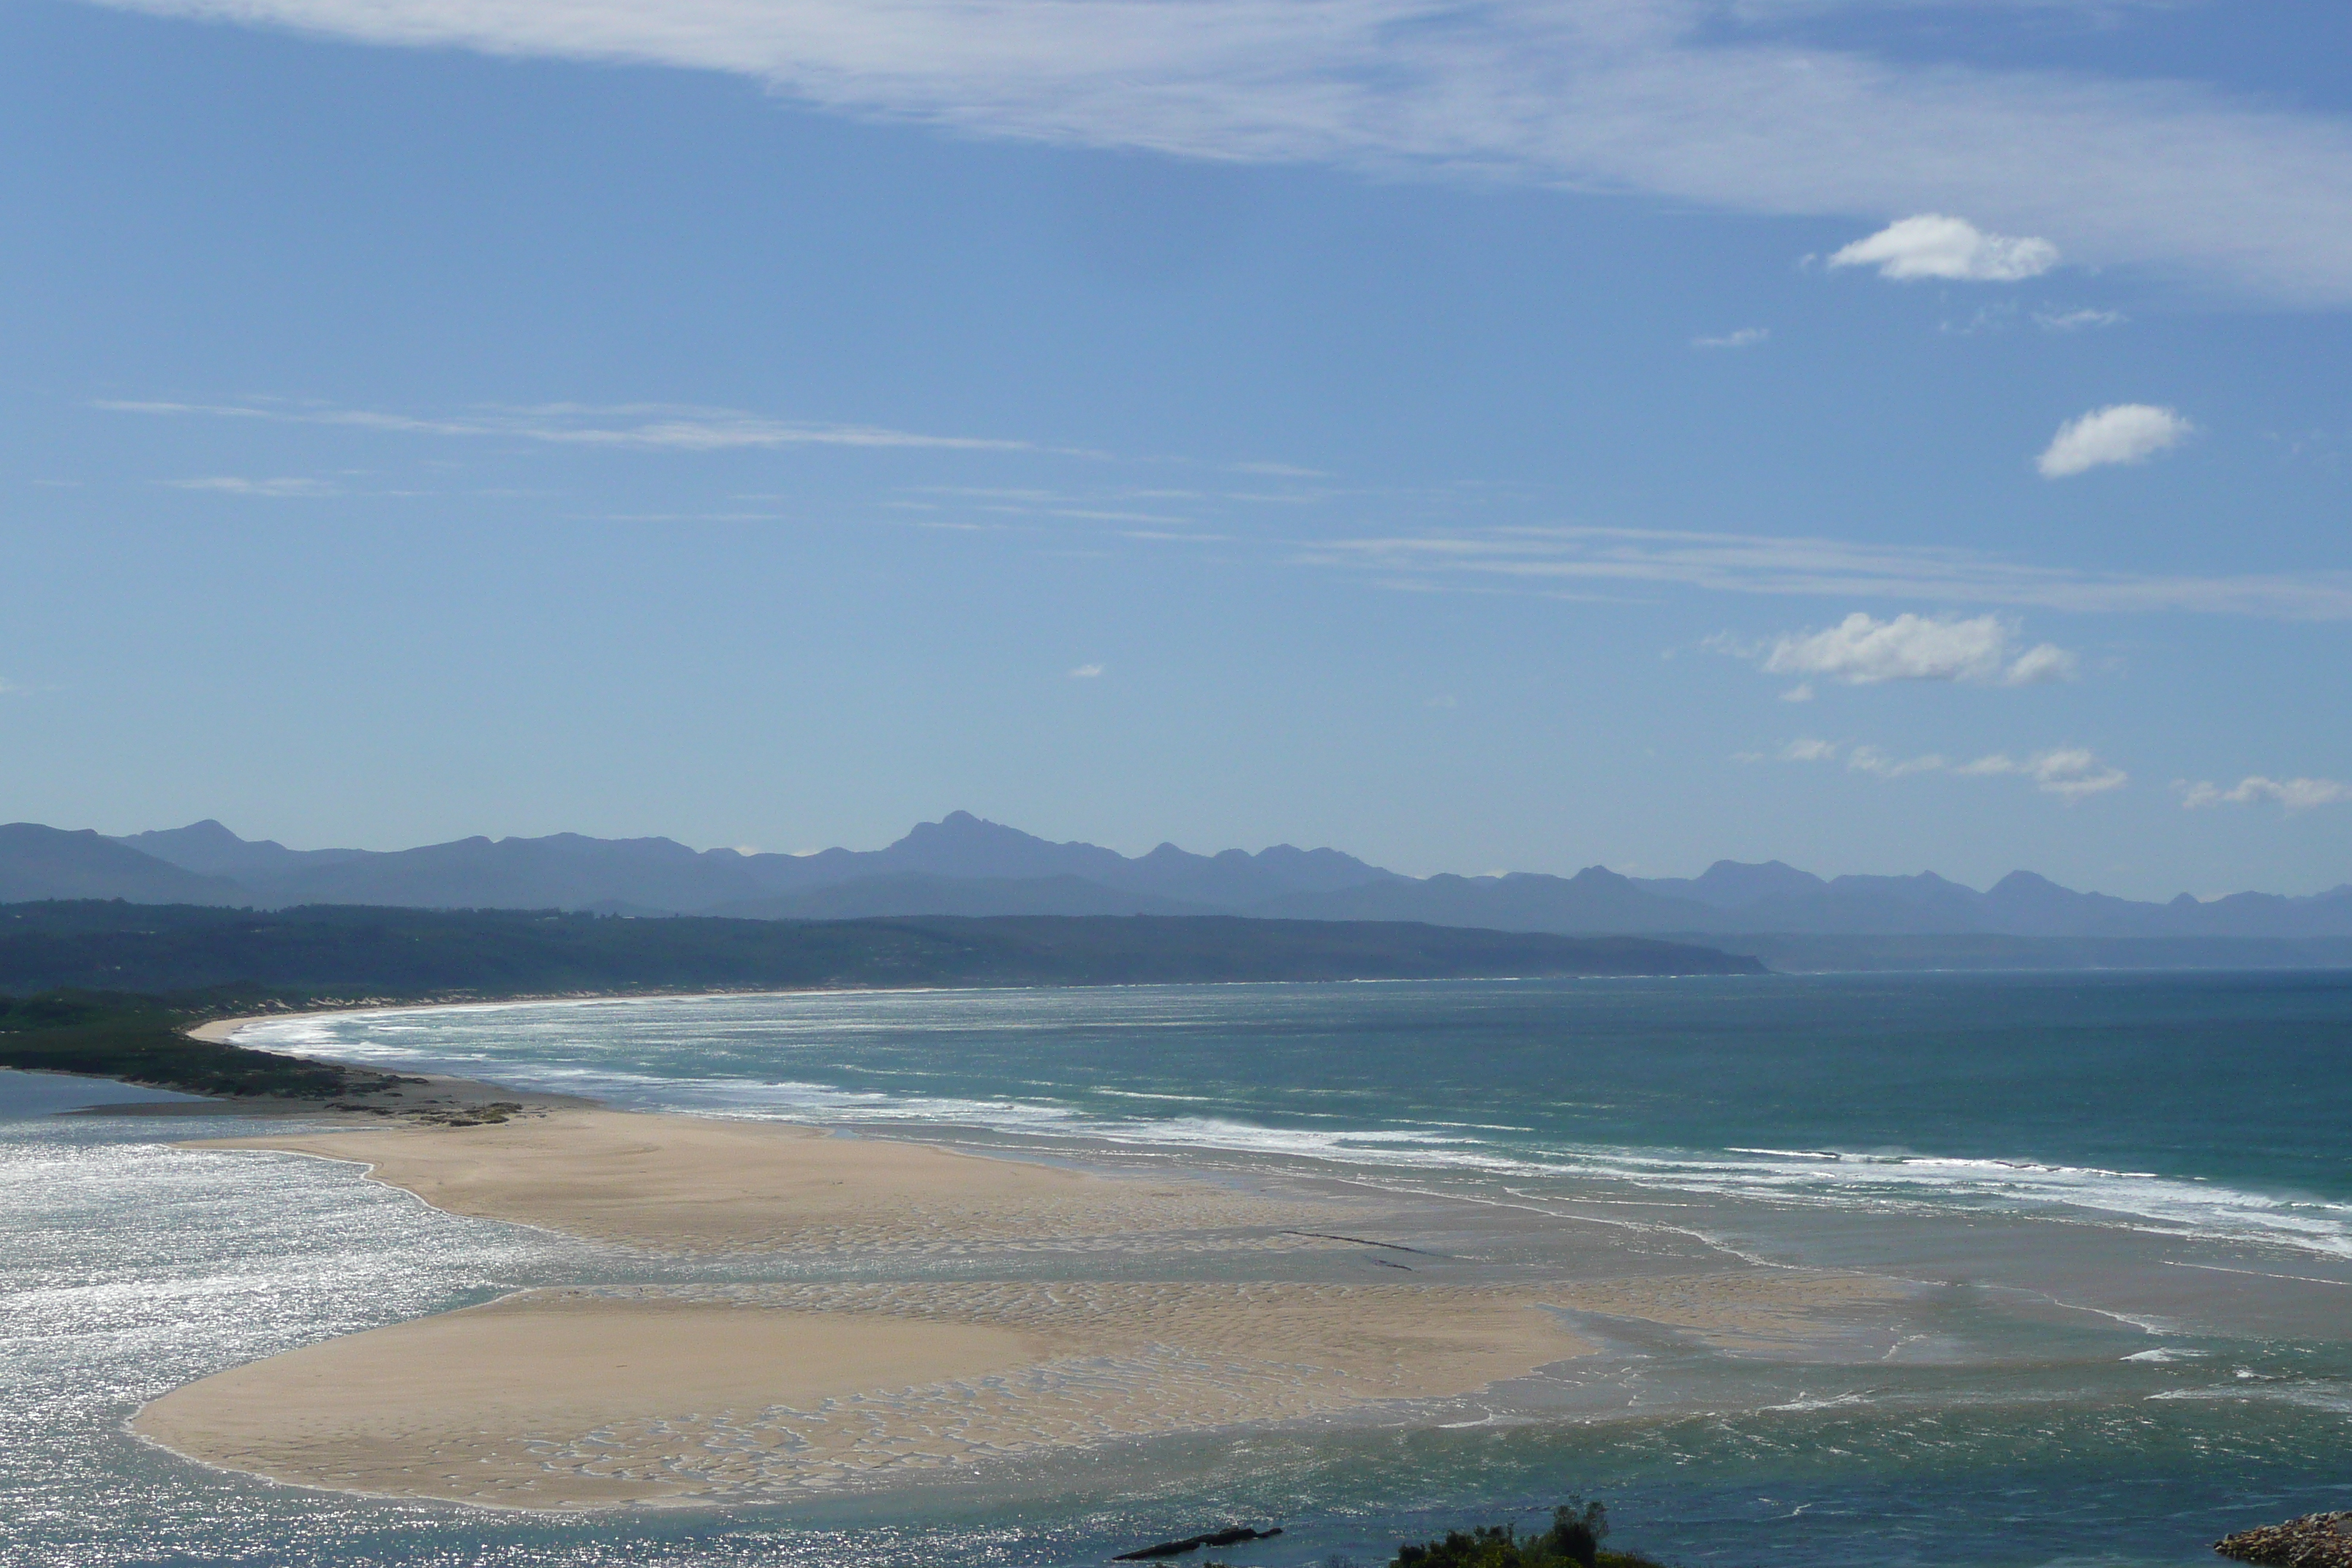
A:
(376, 953)
(1574, 1538)
(106, 988)
(139, 1039)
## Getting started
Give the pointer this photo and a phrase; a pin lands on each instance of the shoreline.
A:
(945, 1311)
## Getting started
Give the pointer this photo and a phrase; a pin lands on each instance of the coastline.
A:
(948, 1310)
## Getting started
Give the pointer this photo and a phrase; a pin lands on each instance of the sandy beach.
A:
(681, 1394)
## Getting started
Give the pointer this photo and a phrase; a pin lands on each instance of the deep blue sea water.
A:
(2126, 1202)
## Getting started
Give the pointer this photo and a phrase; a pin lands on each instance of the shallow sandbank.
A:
(700, 1185)
(569, 1399)
(706, 1393)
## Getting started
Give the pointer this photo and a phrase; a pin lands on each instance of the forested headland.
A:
(109, 988)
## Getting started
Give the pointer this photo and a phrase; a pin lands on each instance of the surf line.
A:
(2256, 1273)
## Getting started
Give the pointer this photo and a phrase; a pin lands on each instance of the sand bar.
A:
(569, 1399)
(701, 1185)
(703, 1392)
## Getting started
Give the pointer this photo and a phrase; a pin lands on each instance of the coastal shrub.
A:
(1575, 1536)
(137, 1039)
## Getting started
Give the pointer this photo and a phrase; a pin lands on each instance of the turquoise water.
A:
(2124, 1204)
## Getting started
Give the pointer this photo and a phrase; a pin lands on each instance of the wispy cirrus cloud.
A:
(1584, 559)
(641, 426)
(1649, 96)
(1871, 760)
(1745, 338)
(2077, 321)
(227, 484)
(2294, 795)
(2070, 773)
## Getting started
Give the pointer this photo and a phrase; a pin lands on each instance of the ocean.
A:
(2121, 1205)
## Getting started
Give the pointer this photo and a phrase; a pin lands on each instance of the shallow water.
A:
(2125, 1201)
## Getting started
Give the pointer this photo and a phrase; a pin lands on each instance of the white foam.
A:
(1838, 1402)
(1880, 1179)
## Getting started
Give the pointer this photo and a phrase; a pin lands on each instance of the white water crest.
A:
(617, 1050)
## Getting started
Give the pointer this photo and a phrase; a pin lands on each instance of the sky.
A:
(1879, 435)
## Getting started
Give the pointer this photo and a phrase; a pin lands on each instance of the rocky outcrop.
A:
(2314, 1541)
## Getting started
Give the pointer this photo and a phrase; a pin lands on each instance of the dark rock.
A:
(2314, 1541)
(1233, 1537)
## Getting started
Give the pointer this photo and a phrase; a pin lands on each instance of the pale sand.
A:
(694, 1184)
(581, 1398)
(218, 1031)
(571, 1399)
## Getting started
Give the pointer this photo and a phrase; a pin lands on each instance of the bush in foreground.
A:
(1572, 1541)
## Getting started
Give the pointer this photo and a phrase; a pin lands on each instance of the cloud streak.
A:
(2070, 773)
(2294, 795)
(635, 426)
(1647, 96)
(1582, 559)
(226, 484)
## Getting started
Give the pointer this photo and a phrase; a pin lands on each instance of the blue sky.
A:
(1881, 436)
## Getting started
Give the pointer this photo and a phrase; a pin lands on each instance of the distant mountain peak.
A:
(965, 863)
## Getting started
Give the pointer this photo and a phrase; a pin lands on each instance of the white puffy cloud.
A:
(1934, 245)
(1809, 752)
(2295, 794)
(2124, 433)
(2071, 772)
(1086, 672)
(1745, 338)
(1650, 96)
(1864, 652)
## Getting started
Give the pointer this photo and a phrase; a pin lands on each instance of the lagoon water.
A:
(2122, 1205)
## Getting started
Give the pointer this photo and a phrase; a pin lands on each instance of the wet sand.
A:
(569, 1398)
(580, 1397)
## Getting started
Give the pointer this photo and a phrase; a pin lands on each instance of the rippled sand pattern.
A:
(711, 1392)
(680, 1185)
(570, 1398)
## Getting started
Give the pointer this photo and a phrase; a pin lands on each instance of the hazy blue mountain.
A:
(2265, 914)
(1594, 900)
(914, 893)
(208, 847)
(963, 865)
(563, 870)
(38, 862)
(1886, 905)
(1235, 878)
(566, 870)
(961, 845)
(1733, 885)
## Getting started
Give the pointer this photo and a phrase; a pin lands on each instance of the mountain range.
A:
(963, 865)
